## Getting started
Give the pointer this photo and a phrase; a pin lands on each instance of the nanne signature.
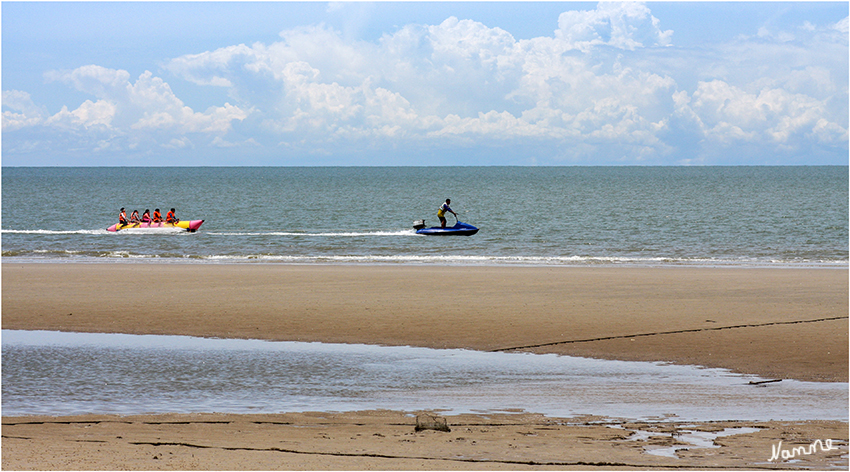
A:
(786, 454)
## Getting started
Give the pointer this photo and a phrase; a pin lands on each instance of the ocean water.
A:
(53, 373)
(706, 216)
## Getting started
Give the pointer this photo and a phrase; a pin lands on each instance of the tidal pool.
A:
(58, 373)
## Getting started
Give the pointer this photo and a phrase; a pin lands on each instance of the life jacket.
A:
(157, 217)
(442, 211)
(146, 218)
(122, 218)
(169, 218)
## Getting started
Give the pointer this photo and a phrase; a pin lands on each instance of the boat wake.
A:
(340, 234)
(51, 231)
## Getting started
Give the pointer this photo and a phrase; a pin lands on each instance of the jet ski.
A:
(459, 229)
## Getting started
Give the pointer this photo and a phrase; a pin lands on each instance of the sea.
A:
(531, 216)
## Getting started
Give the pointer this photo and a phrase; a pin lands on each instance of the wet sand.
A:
(387, 440)
(777, 323)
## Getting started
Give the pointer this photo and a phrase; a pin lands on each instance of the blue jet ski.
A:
(459, 229)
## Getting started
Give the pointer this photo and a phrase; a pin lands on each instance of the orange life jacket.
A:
(157, 217)
(169, 217)
(122, 218)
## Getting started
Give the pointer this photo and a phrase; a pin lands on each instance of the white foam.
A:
(51, 231)
(341, 234)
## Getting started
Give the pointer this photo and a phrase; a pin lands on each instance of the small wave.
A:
(504, 260)
(401, 259)
(66, 255)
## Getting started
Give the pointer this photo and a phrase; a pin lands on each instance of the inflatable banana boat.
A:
(189, 225)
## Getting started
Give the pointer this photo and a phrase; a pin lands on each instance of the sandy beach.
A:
(776, 323)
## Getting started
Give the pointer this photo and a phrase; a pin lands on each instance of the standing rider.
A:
(441, 213)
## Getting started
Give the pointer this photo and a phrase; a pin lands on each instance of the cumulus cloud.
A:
(459, 77)
(89, 114)
(464, 81)
(604, 84)
(623, 25)
(21, 111)
(729, 115)
(127, 112)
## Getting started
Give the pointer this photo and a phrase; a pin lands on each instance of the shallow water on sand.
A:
(54, 373)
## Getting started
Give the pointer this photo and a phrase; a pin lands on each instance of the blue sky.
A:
(424, 83)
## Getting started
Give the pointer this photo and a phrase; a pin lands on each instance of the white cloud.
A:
(456, 78)
(842, 27)
(128, 113)
(22, 113)
(89, 114)
(604, 84)
(623, 25)
(775, 116)
(178, 143)
(95, 80)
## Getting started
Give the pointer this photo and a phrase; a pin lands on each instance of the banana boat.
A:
(189, 225)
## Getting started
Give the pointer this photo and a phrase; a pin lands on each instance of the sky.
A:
(424, 83)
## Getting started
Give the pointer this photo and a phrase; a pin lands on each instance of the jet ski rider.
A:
(441, 213)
